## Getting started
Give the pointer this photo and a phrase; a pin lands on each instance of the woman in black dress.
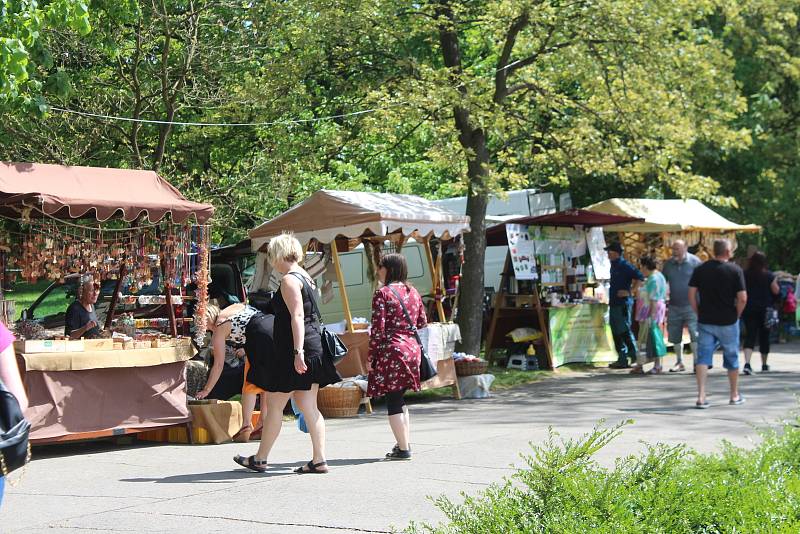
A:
(762, 288)
(297, 365)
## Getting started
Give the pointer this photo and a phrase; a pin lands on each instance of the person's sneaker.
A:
(739, 400)
(398, 454)
(678, 368)
(619, 365)
(748, 370)
(765, 368)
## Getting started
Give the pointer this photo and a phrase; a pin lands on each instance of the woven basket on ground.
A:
(471, 367)
(339, 401)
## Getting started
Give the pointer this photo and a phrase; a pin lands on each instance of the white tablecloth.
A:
(440, 339)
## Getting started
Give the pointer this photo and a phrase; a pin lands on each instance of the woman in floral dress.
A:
(394, 353)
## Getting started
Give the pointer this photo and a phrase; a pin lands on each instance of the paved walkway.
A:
(458, 446)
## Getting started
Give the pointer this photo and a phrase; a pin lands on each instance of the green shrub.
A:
(666, 489)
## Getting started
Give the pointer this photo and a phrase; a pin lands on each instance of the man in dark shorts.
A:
(81, 318)
(720, 286)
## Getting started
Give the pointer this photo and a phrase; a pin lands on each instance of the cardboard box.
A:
(74, 345)
(99, 344)
(33, 346)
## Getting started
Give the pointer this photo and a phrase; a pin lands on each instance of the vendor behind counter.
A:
(81, 317)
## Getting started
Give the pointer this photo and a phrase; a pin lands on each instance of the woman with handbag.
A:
(759, 315)
(651, 311)
(394, 350)
(297, 365)
(11, 379)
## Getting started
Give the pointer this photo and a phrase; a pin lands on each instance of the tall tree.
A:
(555, 90)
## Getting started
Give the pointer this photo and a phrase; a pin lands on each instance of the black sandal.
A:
(250, 462)
(311, 467)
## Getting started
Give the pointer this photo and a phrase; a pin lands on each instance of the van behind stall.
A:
(356, 278)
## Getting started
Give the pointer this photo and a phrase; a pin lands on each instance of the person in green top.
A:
(651, 311)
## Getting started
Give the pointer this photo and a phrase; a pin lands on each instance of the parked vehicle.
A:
(519, 203)
(49, 309)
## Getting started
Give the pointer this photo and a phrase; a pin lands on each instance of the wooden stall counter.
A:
(99, 393)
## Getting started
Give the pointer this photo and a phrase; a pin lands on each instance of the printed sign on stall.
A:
(581, 334)
(522, 252)
(597, 244)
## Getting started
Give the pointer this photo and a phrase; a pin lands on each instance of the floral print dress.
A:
(393, 350)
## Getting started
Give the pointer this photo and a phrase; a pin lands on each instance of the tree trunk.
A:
(473, 139)
(470, 308)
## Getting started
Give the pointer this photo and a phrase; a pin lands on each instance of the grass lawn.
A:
(23, 295)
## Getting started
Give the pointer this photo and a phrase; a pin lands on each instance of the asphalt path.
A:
(458, 446)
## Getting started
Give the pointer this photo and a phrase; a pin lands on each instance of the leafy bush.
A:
(664, 489)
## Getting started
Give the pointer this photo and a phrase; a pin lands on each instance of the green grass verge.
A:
(665, 489)
(24, 294)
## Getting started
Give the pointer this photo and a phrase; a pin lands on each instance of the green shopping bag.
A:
(657, 339)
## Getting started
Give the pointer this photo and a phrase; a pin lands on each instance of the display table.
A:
(84, 395)
(439, 340)
(580, 333)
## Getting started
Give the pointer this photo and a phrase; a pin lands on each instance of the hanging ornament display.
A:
(201, 280)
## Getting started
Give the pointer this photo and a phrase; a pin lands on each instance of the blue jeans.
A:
(709, 335)
(2, 489)
(619, 317)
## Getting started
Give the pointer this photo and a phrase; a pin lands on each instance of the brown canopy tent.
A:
(496, 235)
(68, 192)
(84, 390)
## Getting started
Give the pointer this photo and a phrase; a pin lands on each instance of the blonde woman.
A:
(249, 332)
(297, 365)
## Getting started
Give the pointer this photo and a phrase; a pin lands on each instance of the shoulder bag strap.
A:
(311, 295)
(408, 317)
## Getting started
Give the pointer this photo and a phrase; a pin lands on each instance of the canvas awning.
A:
(101, 193)
(670, 215)
(496, 235)
(327, 214)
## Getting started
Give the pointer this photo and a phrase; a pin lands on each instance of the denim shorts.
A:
(677, 318)
(727, 337)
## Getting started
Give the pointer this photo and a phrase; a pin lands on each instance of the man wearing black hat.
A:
(624, 278)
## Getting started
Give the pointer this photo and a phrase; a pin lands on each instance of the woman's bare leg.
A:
(307, 403)
(272, 420)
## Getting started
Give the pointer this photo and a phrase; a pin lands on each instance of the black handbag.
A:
(426, 368)
(15, 449)
(332, 347)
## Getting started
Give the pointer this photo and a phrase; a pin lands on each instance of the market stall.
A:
(550, 283)
(122, 229)
(334, 222)
(664, 221)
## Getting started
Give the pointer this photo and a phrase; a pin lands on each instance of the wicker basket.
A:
(471, 367)
(339, 401)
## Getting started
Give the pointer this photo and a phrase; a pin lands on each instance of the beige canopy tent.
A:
(671, 215)
(665, 221)
(69, 192)
(328, 216)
